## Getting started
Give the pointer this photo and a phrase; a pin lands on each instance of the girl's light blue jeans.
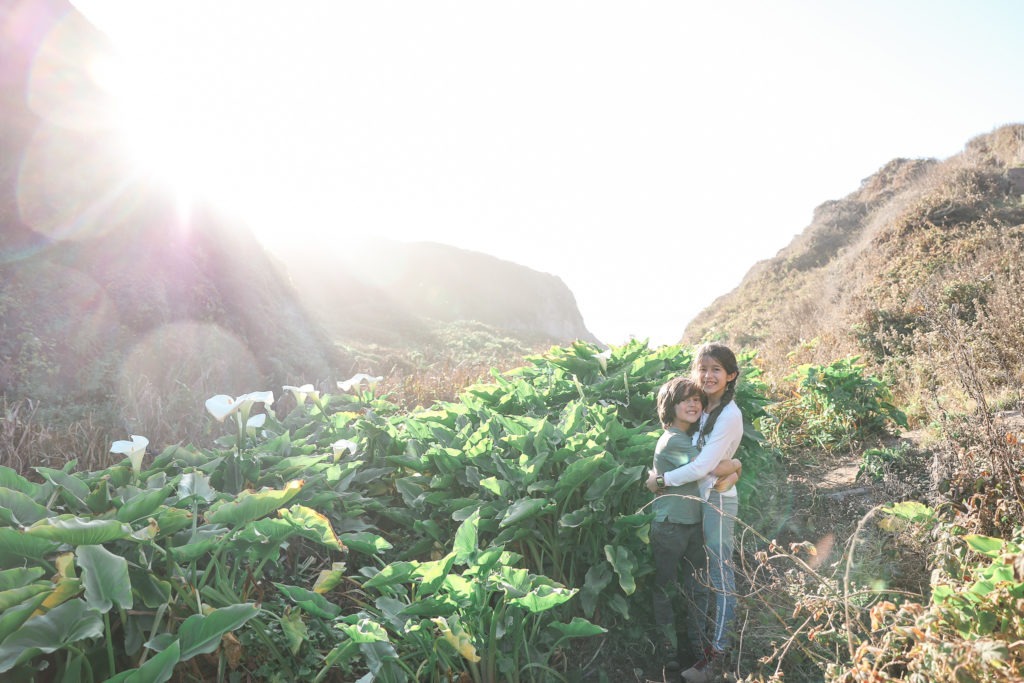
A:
(719, 523)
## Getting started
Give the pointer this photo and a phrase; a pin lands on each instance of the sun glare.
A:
(191, 109)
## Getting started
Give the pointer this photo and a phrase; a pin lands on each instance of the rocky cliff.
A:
(384, 291)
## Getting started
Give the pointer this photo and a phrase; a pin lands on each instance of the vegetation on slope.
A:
(920, 248)
(327, 536)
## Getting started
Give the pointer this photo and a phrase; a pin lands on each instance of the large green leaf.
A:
(143, 504)
(430, 575)
(364, 542)
(17, 546)
(578, 472)
(79, 530)
(64, 625)
(497, 486)
(396, 572)
(201, 634)
(13, 617)
(157, 669)
(577, 518)
(314, 603)
(315, 524)
(196, 549)
(78, 489)
(364, 631)
(523, 509)
(105, 576)
(601, 485)
(172, 520)
(252, 505)
(264, 537)
(294, 629)
(23, 509)
(18, 577)
(985, 545)
(466, 538)
(195, 484)
(597, 579)
(12, 480)
(146, 585)
(578, 628)
(625, 564)
(383, 662)
(15, 596)
(544, 597)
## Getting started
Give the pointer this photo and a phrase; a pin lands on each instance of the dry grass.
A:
(438, 364)
(29, 439)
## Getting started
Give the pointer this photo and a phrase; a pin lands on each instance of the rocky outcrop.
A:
(376, 290)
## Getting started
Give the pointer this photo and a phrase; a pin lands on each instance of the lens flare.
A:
(168, 375)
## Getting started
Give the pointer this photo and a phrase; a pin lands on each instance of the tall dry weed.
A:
(29, 439)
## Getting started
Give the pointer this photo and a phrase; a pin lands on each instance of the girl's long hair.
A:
(724, 355)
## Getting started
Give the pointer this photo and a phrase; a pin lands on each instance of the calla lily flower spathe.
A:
(341, 445)
(255, 423)
(357, 379)
(300, 393)
(134, 449)
(222, 405)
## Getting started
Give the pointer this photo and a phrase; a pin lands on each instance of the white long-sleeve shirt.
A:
(721, 444)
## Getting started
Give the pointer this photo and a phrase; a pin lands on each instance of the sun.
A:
(208, 105)
(173, 119)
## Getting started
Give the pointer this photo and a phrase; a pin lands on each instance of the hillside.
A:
(122, 309)
(385, 291)
(923, 251)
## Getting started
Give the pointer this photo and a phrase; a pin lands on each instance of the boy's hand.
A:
(652, 481)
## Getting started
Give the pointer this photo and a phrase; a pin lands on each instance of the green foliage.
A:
(969, 628)
(475, 537)
(887, 332)
(833, 407)
(875, 461)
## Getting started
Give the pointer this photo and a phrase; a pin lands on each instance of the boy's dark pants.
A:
(679, 547)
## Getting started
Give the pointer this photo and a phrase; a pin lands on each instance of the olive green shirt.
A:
(675, 448)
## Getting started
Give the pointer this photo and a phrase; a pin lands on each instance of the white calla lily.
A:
(342, 445)
(357, 379)
(254, 423)
(247, 400)
(220, 406)
(134, 449)
(300, 393)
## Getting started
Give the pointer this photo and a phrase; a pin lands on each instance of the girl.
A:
(715, 370)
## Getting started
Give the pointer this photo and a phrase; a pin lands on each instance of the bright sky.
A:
(647, 153)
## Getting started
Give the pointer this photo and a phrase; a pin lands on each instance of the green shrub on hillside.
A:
(969, 629)
(833, 407)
